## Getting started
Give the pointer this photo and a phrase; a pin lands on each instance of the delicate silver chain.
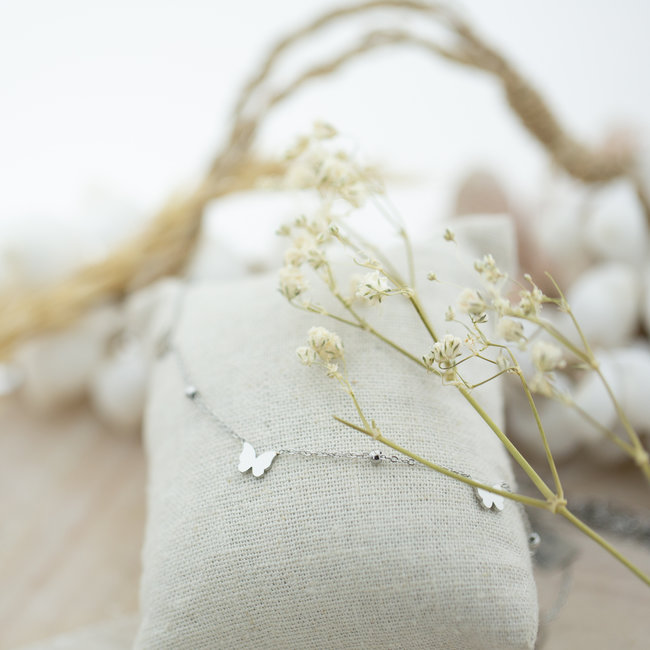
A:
(193, 393)
(166, 345)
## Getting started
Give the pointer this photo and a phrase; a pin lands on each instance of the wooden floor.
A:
(72, 503)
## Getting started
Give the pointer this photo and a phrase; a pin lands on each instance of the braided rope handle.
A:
(163, 247)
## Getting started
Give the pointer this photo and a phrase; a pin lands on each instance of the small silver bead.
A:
(191, 392)
(534, 540)
(375, 457)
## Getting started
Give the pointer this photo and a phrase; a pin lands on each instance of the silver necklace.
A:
(259, 464)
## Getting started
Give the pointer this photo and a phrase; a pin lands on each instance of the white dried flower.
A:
(316, 258)
(373, 287)
(543, 385)
(326, 344)
(307, 355)
(332, 370)
(319, 226)
(432, 277)
(450, 346)
(444, 351)
(546, 356)
(449, 235)
(470, 302)
(530, 304)
(355, 280)
(298, 148)
(292, 282)
(294, 256)
(337, 174)
(450, 314)
(488, 270)
(510, 330)
(324, 131)
(501, 305)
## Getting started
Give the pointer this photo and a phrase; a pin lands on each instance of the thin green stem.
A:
(564, 306)
(346, 241)
(558, 336)
(323, 312)
(415, 301)
(529, 501)
(512, 450)
(610, 435)
(542, 433)
(485, 381)
(396, 222)
(350, 392)
(640, 455)
(562, 510)
(634, 438)
(363, 324)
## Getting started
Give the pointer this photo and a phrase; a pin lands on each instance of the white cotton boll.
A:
(57, 367)
(633, 364)
(118, 386)
(616, 227)
(559, 228)
(605, 301)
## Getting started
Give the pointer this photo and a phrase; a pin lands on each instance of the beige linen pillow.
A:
(323, 552)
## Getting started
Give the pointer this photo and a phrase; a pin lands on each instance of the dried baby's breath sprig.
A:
(373, 287)
(488, 270)
(307, 355)
(325, 344)
(471, 302)
(324, 131)
(445, 356)
(449, 235)
(444, 352)
(547, 357)
(292, 282)
(314, 163)
(510, 330)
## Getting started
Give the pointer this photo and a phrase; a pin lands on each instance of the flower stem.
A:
(562, 510)
(512, 450)
(542, 433)
(529, 501)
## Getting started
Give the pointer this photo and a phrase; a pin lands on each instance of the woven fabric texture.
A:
(325, 552)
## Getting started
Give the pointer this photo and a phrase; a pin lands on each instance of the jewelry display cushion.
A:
(324, 552)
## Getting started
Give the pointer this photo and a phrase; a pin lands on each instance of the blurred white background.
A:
(108, 107)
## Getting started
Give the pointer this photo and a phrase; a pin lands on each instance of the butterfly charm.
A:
(248, 460)
(489, 500)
